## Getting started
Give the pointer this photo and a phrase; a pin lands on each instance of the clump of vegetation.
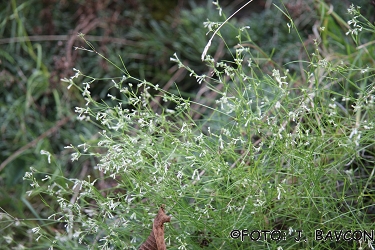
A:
(262, 146)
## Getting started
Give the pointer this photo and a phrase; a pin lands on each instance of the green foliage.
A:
(281, 143)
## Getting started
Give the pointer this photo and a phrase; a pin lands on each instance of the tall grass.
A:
(267, 147)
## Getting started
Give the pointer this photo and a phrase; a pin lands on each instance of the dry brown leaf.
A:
(156, 239)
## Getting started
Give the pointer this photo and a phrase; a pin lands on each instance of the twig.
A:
(34, 142)
(43, 38)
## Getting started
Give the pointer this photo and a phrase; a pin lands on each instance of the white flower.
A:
(364, 70)
(43, 152)
(277, 105)
(245, 27)
(35, 230)
(278, 78)
(218, 7)
(249, 61)
(200, 79)
(179, 175)
(352, 10)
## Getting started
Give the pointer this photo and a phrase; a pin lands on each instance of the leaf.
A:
(156, 239)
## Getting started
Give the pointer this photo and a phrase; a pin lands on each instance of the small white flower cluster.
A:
(36, 230)
(356, 27)
(177, 60)
(332, 108)
(279, 79)
(227, 104)
(218, 7)
(70, 80)
(30, 177)
(323, 63)
(211, 26)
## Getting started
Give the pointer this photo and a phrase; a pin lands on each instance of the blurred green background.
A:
(37, 40)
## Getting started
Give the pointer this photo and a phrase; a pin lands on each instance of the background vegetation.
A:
(38, 113)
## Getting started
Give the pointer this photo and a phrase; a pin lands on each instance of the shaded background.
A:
(37, 40)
